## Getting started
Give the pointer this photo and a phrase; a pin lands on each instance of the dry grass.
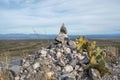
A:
(19, 48)
(5, 75)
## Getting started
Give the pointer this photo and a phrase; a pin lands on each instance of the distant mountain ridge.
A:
(52, 36)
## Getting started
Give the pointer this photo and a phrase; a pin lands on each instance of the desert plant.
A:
(97, 60)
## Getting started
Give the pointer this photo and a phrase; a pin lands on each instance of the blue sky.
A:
(46, 16)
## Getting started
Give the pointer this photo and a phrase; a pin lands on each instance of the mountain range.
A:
(52, 36)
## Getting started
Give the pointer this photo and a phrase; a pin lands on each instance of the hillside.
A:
(59, 60)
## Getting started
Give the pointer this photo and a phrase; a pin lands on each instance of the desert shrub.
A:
(97, 56)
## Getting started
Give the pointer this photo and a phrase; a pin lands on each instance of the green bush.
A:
(96, 55)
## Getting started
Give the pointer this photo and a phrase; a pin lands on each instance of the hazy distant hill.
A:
(44, 36)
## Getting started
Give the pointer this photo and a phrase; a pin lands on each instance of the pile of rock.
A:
(60, 61)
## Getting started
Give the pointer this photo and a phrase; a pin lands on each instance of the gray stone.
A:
(80, 69)
(58, 68)
(63, 29)
(15, 68)
(77, 67)
(52, 45)
(94, 74)
(43, 53)
(67, 50)
(49, 74)
(23, 77)
(36, 55)
(17, 78)
(26, 63)
(28, 76)
(72, 44)
(59, 54)
(80, 56)
(61, 37)
(115, 77)
(68, 68)
(74, 73)
(73, 62)
(29, 69)
(66, 77)
(36, 65)
(60, 62)
(85, 61)
(86, 55)
(74, 51)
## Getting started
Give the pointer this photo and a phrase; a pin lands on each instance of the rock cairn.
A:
(60, 61)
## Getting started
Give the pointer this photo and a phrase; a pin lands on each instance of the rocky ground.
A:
(60, 61)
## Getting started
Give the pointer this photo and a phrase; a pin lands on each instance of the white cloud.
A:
(88, 15)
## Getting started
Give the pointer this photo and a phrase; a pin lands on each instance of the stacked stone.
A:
(60, 61)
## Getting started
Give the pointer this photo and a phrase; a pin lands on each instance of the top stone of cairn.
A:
(63, 29)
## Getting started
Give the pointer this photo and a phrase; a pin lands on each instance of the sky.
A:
(46, 16)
